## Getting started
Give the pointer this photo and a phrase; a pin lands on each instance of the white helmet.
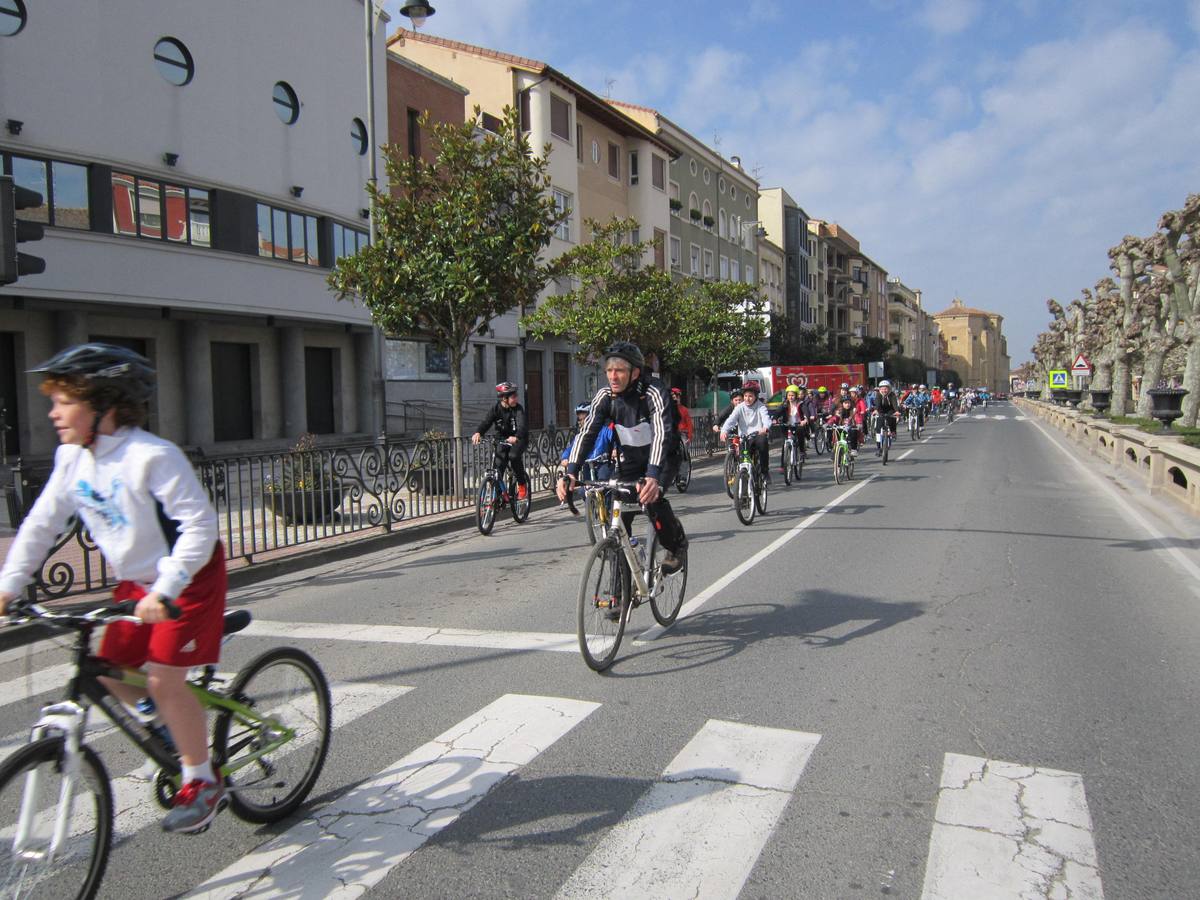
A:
(845, 385)
(924, 388)
(885, 383)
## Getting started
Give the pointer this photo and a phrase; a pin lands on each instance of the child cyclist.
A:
(143, 505)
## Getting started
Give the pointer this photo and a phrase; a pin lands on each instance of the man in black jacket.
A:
(508, 415)
(640, 411)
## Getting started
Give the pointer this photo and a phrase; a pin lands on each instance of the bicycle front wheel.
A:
(788, 462)
(744, 501)
(839, 474)
(32, 790)
(887, 445)
(666, 591)
(272, 759)
(591, 517)
(730, 474)
(485, 506)
(683, 478)
(603, 604)
(819, 441)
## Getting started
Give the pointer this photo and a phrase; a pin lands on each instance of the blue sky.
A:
(988, 150)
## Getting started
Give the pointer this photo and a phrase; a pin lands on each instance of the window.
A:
(172, 59)
(633, 167)
(707, 176)
(287, 235)
(579, 142)
(477, 353)
(12, 17)
(415, 360)
(635, 236)
(734, 271)
(706, 213)
(692, 166)
(287, 104)
(660, 249)
(414, 132)
(523, 104)
(658, 173)
(614, 161)
(724, 263)
(695, 259)
(708, 264)
(560, 118)
(722, 229)
(154, 210)
(733, 192)
(747, 201)
(347, 241)
(63, 186)
(358, 136)
(676, 253)
(488, 122)
(721, 184)
(595, 151)
(693, 204)
(562, 202)
(749, 274)
(502, 364)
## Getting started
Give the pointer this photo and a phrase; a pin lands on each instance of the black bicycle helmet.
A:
(505, 388)
(627, 351)
(128, 374)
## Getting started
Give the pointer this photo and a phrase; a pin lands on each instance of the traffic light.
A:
(14, 231)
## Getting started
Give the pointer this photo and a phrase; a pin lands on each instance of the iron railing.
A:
(268, 502)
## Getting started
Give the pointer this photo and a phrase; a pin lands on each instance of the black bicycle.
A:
(683, 478)
(494, 495)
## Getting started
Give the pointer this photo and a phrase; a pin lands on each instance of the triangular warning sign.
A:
(1081, 364)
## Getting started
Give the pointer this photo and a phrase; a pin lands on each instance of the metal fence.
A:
(268, 502)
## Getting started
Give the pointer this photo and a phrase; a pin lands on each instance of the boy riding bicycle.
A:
(141, 501)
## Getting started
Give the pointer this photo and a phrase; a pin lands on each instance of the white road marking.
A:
(348, 846)
(699, 830)
(51, 678)
(1020, 418)
(408, 634)
(1004, 830)
(906, 453)
(1189, 567)
(734, 574)
(999, 417)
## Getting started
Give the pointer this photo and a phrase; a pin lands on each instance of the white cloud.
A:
(948, 17)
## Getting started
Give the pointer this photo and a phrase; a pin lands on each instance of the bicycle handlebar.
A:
(20, 612)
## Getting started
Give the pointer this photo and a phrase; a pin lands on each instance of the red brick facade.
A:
(411, 87)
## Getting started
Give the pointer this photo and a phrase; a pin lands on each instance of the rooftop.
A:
(958, 308)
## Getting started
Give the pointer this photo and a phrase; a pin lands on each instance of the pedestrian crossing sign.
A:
(1059, 378)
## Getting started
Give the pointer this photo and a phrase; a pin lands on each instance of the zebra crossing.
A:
(999, 829)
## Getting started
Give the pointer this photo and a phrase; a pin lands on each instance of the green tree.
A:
(457, 241)
(612, 296)
(722, 328)
(792, 345)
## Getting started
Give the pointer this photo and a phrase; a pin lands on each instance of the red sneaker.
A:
(522, 492)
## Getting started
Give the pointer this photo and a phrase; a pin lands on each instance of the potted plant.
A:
(708, 221)
(676, 205)
(303, 490)
(695, 214)
(1168, 405)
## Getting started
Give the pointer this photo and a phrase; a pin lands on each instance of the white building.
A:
(203, 165)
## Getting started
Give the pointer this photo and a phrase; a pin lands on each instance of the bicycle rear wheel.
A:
(788, 455)
(603, 604)
(666, 591)
(288, 689)
(744, 501)
(760, 493)
(520, 508)
(485, 506)
(32, 779)
(819, 441)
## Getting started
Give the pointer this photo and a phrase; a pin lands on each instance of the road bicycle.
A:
(597, 517)
(620, 574)
(793, 459)
(819, 444)
(683, 478)
(731, 463)
(914, 424)
(884, 435)
(493, 495)
(843, 459)
(750, 494)
(269, 739)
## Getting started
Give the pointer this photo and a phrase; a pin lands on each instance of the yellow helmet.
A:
(792, 389)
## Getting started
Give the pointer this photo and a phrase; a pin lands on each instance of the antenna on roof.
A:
(757, 172)
(608, 85)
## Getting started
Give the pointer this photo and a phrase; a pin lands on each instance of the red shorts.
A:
(194, 639)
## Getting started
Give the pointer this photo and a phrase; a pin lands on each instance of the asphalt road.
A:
(976, 673)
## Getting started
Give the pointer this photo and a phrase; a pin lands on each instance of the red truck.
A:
(812, 377)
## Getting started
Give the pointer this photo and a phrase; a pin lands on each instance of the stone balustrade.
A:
(1168, 467)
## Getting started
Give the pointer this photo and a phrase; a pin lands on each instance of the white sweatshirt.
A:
(116, 487)
(748, 419)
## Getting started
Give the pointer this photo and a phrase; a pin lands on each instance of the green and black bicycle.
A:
(270, 735)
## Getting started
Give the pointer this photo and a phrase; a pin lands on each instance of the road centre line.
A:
(721, 583)
(411, 634)
(1189, 567)
(905, 454)
(700, 828)
(348, 846)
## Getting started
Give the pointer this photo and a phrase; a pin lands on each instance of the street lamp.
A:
(418, 13)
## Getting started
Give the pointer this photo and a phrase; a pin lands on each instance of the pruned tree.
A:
(1128, 262)
(1181, 257)
(458, 241)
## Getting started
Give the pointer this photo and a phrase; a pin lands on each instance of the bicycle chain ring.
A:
(165, 788)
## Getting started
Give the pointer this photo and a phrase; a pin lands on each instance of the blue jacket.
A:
(603, 444)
